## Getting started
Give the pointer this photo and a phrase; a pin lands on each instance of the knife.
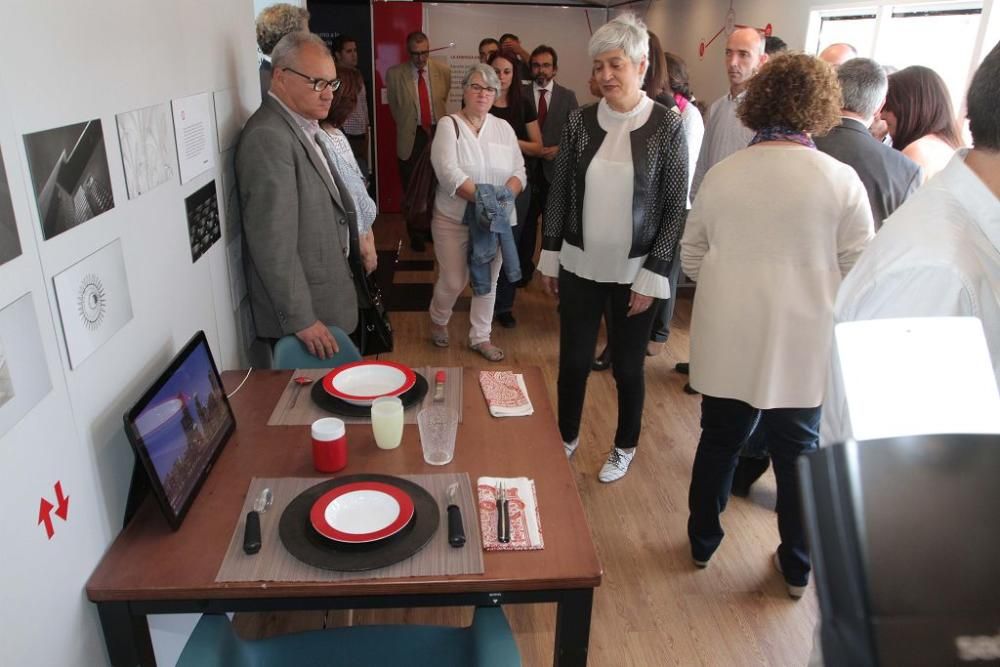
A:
(456, 532)
(251, 533)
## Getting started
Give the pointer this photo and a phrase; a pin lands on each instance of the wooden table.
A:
(150, 569)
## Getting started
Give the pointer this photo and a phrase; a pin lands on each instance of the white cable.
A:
(230, 394)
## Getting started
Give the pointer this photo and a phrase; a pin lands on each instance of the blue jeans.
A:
(725, 426)
(505, 288)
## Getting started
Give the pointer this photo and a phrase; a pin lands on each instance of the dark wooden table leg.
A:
(126, 636)
(573, 627)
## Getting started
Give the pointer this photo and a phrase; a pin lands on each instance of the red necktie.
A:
(543, 107)
(425, 101)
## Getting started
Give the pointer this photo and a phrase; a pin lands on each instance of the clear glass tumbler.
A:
(438, 427)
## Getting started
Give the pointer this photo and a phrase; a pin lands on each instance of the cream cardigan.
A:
(773, 230)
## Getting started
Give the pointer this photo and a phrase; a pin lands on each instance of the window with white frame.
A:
(945, 36)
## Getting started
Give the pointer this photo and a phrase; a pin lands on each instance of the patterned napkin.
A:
(505, 392)
(525, 526)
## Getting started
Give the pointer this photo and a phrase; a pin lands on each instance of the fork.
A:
(503, 515)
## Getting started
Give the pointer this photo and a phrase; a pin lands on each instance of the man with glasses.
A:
(552, 104)
(418, 91)
(298, 220)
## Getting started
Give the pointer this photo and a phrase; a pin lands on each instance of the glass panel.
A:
(856, 29)
(939, 36)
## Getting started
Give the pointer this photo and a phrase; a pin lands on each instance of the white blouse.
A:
(491, 157)
(607, 211)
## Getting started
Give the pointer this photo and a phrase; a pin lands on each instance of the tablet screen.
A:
(179, 427)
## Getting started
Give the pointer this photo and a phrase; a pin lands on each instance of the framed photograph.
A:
(69, 174)
(10, 242)
(24, 373)
(149, 154)
(203, 220)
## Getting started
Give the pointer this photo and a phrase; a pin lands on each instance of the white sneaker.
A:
(570, 447)
(794, 592)
(617, 464)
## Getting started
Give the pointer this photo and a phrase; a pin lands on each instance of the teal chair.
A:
(289, 352)
(488, 642)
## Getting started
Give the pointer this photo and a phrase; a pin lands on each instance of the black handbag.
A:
(374, 332)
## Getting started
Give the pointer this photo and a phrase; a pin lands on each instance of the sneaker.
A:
(699, 563)
(794, 592)
(617, 464)
(570, 447)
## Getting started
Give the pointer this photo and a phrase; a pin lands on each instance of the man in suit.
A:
(418, 91)
(889, 176)
(552, 103)
(299, 224)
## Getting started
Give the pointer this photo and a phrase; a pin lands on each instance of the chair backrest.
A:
(488, 642)
(904, 539)
(289, 352)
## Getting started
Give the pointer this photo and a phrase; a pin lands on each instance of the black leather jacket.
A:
(659, 196)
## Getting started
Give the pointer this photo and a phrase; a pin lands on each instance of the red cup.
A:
(329, 442)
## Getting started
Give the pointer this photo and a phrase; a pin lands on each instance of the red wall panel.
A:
(391, 23)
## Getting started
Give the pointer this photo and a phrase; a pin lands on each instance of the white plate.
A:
(362, 382)
(361, 512)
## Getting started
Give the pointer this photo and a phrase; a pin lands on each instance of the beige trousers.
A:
(451, 245)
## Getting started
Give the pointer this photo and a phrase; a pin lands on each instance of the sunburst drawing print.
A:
(92, 301)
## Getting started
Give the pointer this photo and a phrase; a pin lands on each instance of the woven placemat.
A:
(295, 406)
(274, 563)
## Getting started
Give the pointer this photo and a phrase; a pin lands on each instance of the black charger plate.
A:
(303, 542)
(320, 397)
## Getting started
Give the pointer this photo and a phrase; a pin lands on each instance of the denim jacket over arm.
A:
(488, 219)
(659, 196)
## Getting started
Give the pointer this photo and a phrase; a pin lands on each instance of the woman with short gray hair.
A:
(478, 163)
(612, 222)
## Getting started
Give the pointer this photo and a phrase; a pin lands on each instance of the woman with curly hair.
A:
(774, 229)
(920, 119)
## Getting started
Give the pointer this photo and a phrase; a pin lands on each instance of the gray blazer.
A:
(888, 175)
(295, 228)
(563, 101)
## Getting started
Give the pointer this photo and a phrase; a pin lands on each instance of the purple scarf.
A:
(782, 134)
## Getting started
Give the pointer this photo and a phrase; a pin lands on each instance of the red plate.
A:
(361, 382)
(361, 512)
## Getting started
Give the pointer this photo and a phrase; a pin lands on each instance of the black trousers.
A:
(529, 234)
(581, 306)
(665, 311)
(725, 426)
(406, 168)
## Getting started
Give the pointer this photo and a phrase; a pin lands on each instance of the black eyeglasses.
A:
(319, 85)
(476, 88)
(420, 53)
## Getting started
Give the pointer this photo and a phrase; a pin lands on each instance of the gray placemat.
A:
(274, 563)
(295, 407)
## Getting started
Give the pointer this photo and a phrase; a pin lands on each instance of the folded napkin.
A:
(505, 392)
(525, 527)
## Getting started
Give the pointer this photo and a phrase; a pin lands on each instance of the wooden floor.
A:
(654, 607)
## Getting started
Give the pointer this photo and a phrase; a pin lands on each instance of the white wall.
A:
(564, 29)
(65, 63)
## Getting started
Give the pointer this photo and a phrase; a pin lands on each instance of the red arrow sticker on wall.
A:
(45, 510)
